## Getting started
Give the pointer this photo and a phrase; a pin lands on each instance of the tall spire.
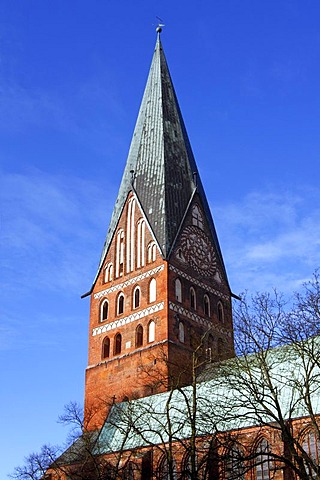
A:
(160, 168)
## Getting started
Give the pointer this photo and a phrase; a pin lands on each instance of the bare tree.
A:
(258, 411)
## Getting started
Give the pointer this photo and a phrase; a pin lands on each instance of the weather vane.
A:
(160, 25)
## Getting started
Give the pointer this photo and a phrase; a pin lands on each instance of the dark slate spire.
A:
(160, 168)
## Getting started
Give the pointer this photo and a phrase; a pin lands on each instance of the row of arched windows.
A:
(136, 300)
(234, 465)
(206, 305)
(140, 340)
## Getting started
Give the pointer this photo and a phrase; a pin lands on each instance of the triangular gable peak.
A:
(133, 244)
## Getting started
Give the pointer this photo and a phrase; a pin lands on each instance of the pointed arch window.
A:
(263, 461)
(151, 331)
(178, 289)
(106, 348)
(117, 344)
(136, 297)
(181, 332)
(220, 312)
(220, 346)
(131, 234)
(197, 218)
(139, 336)
(141, 231)
(119, 253)
(193, 301)
(152, 252)
(206, 305)
(234, 464)
(104, 311)
(120, 304)
(164, 470)
(311, 445)
(108, 272)
(152, 290)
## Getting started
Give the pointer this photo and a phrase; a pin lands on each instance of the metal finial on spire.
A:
(160, 25)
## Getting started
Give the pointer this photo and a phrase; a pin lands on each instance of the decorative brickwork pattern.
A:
(198, 282)
(131, 281)
(196, 318)
(131, 318)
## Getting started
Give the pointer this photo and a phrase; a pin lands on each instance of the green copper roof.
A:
(160, 168)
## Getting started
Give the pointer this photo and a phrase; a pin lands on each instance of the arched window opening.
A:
(197, 219)
(152, 290)
(234, 464)
(119, 253)
(136, 297)
(141, 227)
(193, 303)
(181, 332)
(117, 344)
(152, 252)
(186, 467)
(108, 271)
(139, 336)
(151, 331)
(164, 469)
(206, 305)
(263, 461)
(120, 308)
(178, 290)
(106, 348)
(146, 466)
(104, 311)
(311, 445)
(220, 312)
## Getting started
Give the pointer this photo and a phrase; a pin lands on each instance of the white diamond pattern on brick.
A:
(197, 282)
(196, 318)
(129, 319)
(131, 281)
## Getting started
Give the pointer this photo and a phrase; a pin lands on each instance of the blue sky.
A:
(72, 74)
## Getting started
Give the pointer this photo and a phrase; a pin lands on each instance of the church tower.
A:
(161, 291)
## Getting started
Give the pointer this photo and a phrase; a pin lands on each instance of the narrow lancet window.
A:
(119, 253)
(131, 235)
(181, 332)
(178, 290)
(152, 290)
(141, 227)
(104, 311)
(206, 305)
(197, 219)
(108, 271)
(136, 297)
(152, 252)
(139, 336)
(151, 331)
(106, 348)
(193, 302)
(220, 312)
(117, 344)
(120, 304)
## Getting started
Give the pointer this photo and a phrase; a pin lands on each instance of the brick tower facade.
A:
(161, 291)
